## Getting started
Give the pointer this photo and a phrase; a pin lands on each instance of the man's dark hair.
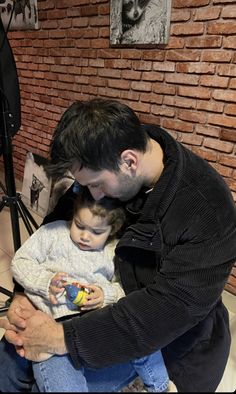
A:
(94, 134)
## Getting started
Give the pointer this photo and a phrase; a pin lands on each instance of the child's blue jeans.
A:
(58, 374)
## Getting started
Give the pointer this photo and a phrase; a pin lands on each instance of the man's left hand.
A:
(40, 339)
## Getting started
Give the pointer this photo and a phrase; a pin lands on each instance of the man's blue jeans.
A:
(16, 374)
(58, 374)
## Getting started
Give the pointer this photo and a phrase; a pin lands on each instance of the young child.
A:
(78, 251)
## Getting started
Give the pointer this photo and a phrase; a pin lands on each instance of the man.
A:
(174, 258)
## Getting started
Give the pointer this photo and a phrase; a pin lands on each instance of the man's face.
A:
(120, 185)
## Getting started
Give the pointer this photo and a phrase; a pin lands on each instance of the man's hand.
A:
(40, 339)
(14, 322)
(35, 335)
(20, 301)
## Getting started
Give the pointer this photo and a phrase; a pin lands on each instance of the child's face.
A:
(89, 232)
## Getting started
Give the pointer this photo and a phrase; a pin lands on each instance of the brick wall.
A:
(187, 87)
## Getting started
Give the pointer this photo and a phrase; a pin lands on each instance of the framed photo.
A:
(19, 15)
(36, 188)
(138, 22)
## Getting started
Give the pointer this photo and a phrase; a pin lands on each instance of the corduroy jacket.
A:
(174, 260)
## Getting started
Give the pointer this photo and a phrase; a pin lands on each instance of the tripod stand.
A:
(11, 198)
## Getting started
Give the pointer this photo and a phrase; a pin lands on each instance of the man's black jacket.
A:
(174, 261)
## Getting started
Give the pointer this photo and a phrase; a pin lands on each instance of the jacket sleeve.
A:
(152, 317)
(27, 264)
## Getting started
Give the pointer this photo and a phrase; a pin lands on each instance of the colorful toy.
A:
(76, 293)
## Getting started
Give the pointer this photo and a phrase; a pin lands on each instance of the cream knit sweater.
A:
(50, 250)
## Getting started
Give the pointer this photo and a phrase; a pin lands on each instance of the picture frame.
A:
(139, 22)
(36, 187)
(19, 15)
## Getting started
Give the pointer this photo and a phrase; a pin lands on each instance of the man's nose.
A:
(97, 194)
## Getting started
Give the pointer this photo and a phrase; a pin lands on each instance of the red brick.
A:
(203, 14)
(166, 66)
(89, 11)
(205, 42)
(189, 3)
(221, 146)
(228, 12)
(110, 73)
(210, 106)
(207, 130)
(163, 111)
(229, 161)
(140, 107)
(180, 102)
(180, 15)
(180, 78)
(222, 120)
(208, 155)
(132, 54)
(151, 98)
(129, 95)
(149, 119)
(162, 88)
(197, 92)
(224, 28)
(153, 55)
(131, 74)
(180, 29)
(227, 70)
(224, 95)
(224, 171)
(141, 86)
(196, 68)
(178, 125)
(152, 76)
(230, 109)
(229, 42)
(118, 84)
(192, 116)
(191, 139)
(175, 43)
(232, 84)
(183, 55)
(214, 80)
(142, 65)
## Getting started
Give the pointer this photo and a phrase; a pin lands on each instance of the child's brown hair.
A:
(108, 208)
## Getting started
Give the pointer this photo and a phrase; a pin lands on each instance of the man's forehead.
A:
(87, 176)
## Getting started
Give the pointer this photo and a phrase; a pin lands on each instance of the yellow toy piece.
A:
(76, 294)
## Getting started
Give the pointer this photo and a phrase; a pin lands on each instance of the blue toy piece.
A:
(76, 294)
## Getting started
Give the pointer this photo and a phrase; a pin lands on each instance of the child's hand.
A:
(94, 300)
(57, 286)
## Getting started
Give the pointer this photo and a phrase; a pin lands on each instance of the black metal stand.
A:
(11, 198)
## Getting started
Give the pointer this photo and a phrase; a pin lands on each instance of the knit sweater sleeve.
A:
(112, 288)
(28, 266)
(112, 291)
